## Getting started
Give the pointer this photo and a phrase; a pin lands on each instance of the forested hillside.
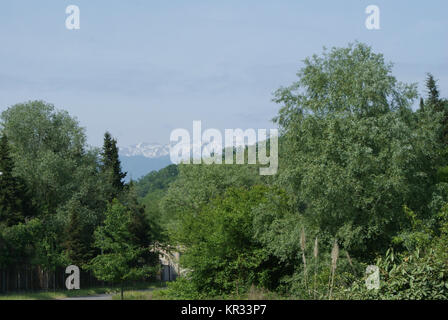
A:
(151, 189)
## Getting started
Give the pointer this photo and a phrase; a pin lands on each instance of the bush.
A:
(420, 274)
(181, 289)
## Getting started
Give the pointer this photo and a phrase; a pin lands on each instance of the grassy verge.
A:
(135, 295)
(61, 294)
(140, 293)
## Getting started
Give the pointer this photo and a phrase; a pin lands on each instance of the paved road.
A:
(96, 297)
(103, 296)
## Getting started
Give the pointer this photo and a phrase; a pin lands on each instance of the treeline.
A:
(62, 202)
(362, 180)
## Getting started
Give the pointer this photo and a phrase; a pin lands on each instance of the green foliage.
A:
(219, 241)
(52, 222)
(77, 244)
(181, 289)
(356, 154)
(418, 235)
(15, 203)
(318, 288)
(352, 80)
(47, 147)
(49, 153)
(152, 188)
(118, 261)
(111, 167)
(442, 174)
(198, 184)
(16, 242)
(420, 274)
(414, 276)
(357, 164)
(437, 106)
(433, 99)
(144, 230)
(157, 180)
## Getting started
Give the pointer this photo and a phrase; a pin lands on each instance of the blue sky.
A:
(142, 68)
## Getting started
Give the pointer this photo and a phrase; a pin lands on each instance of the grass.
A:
(135, 295)
(58, 294)
(61, 294)
(143, 291)
(140, 293)
(253, 293)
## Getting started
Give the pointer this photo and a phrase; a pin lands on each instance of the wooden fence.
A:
(33, 278)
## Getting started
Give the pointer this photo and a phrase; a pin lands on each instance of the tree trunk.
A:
(122, 298)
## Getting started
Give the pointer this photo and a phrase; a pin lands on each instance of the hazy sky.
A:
(142, 68)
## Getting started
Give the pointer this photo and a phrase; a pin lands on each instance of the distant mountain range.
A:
(147, 150)
(140, 159)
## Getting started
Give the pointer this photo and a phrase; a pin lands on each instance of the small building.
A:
(169, 266)
(169, 261)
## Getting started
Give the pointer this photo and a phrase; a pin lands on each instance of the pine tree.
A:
(436, 104)
(78, 239)
(139, 226)
(119, 261)
(143, 232)
(422, 104)
(111, 167)
(433, 93)
(14, 201)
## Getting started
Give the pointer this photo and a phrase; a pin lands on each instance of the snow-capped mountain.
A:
(147, 150)
(140, 159)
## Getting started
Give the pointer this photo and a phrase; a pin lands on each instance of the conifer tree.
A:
(422, 104)
(111, 167)
(143, 231)
(433, 93)
(119, 261)
(77, 243)
(436, 104)
(14, 201)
